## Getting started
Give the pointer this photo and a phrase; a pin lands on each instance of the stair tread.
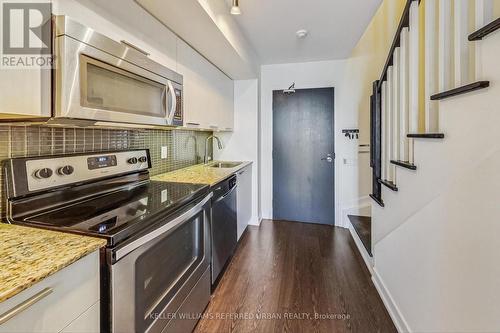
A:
(485, 31)
(379, 201)
(461, 90)
(426, 135)
(404, 164)
(363, 227)
(389, 184)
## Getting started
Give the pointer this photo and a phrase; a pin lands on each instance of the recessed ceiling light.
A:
(235, 9)
(302, 33)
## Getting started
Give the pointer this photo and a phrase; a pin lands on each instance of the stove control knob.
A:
(66, 170)
(143, 159)
(43, 173)
(132, 160)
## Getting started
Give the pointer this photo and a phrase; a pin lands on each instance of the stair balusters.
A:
(451, 62)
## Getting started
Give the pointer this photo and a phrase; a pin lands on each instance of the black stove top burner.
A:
(118, 215)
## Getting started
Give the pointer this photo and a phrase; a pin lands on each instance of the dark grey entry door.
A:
(303, 156)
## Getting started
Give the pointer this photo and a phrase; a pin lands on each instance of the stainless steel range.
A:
(155, 267)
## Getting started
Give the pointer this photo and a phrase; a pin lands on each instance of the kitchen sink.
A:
(225, 165)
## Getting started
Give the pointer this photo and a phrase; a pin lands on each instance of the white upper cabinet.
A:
(208, 93)
(25, 93)
(226, 105)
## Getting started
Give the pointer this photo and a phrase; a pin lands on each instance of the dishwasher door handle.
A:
(225, 195)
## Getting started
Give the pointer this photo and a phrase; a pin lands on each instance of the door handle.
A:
(122, 252)
(225, 195)
(328, 158)
(170, 117)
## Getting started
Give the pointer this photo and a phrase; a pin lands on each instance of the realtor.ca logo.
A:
(26, 35)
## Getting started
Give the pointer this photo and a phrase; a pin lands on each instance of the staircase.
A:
(436, 169)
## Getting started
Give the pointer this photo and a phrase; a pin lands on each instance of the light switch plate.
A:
(164, 152)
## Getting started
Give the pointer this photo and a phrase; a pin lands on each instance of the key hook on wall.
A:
(351, 133)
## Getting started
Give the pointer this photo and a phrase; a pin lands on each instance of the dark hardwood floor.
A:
(284, 274)
(363, 227)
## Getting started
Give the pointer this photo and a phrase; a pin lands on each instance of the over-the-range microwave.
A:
(98, 79)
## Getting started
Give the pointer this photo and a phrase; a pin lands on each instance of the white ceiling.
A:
(207, 26)
(334, 26)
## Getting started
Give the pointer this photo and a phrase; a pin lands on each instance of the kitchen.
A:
(196, 166)
(120, 157)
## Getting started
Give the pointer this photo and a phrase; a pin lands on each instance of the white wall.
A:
(436, 240)
(312, 75)
(242, 144)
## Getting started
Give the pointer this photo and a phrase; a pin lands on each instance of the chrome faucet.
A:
(219, 144)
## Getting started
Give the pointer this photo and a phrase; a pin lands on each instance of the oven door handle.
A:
(122, 252)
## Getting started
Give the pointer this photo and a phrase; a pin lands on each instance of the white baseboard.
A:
(356, 207)
(364, 254)
(353, 206)
(392, 308)
(255, 221)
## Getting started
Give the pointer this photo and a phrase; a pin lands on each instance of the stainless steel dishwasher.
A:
(224, 225)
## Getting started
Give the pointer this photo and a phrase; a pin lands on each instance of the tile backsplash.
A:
(185, 148)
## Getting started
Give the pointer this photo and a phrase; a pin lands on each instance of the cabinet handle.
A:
(193, 124)
(241, 172)
(6, 316)
(214, 126)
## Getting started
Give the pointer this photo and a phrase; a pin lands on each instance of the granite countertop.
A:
(200, 174)
(28, 255)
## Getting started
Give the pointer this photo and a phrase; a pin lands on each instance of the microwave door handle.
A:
(170, 118)
(164, 98)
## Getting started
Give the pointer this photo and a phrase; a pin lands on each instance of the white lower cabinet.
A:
(53, 304)
(244, 178)
(88, 322)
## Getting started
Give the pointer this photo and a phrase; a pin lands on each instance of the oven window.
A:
(106, 87)
(164, 268)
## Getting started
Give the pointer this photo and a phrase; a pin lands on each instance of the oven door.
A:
(94, 85)
(154, 275)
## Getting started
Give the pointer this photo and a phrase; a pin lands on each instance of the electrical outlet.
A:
(164, 152)
(164, 196)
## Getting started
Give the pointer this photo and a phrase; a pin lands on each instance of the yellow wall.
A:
(368, 58)
(362, 68)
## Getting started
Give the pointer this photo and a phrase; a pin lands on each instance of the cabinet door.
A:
(25, 93)
(226, 107)
(88, 322)
(56, 301)
(244, 177)
(208, 93)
